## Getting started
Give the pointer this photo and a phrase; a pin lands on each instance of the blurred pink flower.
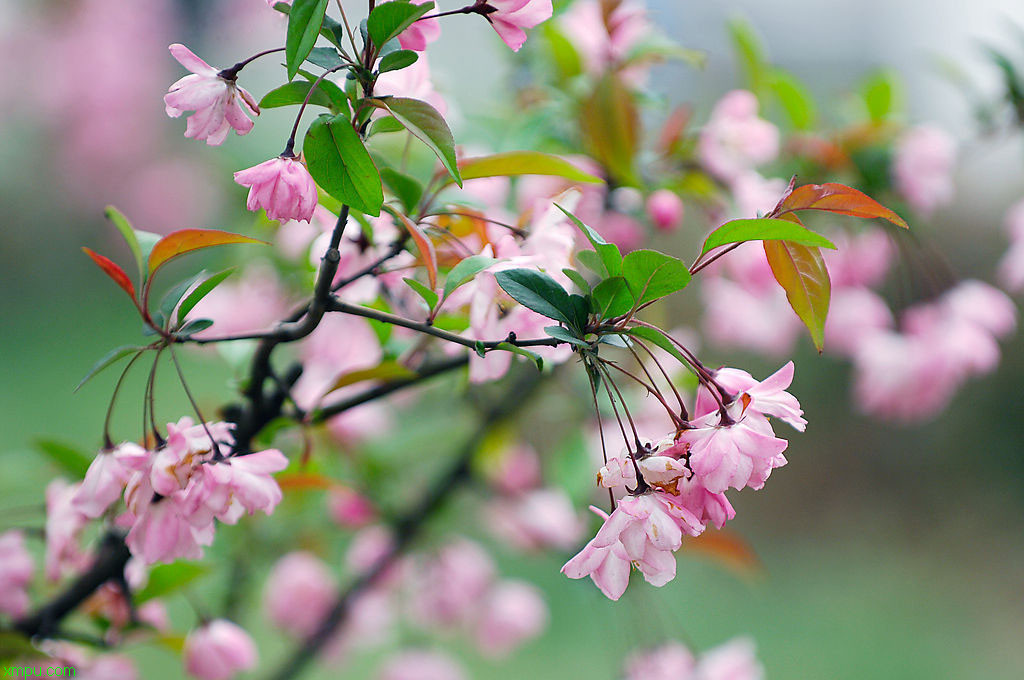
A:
(733, 660)
(512, 613)
(448, 591)
(923, 167)
(665, 209)
(735, 140)
(349, 508)
(671, 661)
(218, 650)
(605, 40)
(413, 81)
(421, 665)
(16, 569)
(420, 34)
(539, 519)
(251, 302)
(64, 524)
(298, 593)
(735, 317)
(853, 315)
(282, 186)
(219, 105)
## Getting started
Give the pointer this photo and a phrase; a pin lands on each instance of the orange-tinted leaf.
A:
(423, 244)
(801, 272)
(305, 481)
(610, 124)
(111, 269)
(386, 371)
(840, 199)
(728, 548)
(187, 240)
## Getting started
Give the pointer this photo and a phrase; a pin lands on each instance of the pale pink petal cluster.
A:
(1011, 266)
(282, 186)
(218, 650)
(16, 570)
(421, 33)
(218, 103)
(512, 613)
(923, 167)
(422, 665)
(604, 40)
(735, 140)
(64, 525)
(510, 17)
(733, 660)
(298, 593)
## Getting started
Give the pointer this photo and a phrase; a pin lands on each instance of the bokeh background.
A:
(887, 551)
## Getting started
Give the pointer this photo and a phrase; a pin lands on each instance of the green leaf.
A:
(577, 279)
(110, 358)
(389, 19)
(327, 94)
(652, 275)
(194, 326)
(340, 163)
(561, 333)
(464, 272)
(304, 23)
(167, 578)
(796, 101)
(882, 95)
(330, 29)
(173, 296)
(426, 124)
(750, 52)
(612, 298)
(201, 291)
(429, 296)
(398, 60)
(15, 647)
(382, 125)
(407, 189)
(609, 253)
(532, 356)
(325, 57)
(763, 229)
(610, 125)
(68, 458)
(659, 338)
(516, 163)
(539, 292)
(125, 227)
(592, 261)
(386, 371)
(801, 272)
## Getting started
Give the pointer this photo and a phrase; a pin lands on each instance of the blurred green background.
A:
(888, 552)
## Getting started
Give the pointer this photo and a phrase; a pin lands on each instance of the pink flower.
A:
(510, 17)
(449, 589)
(64, 523)
(218, 651)
(671, 661)
(104, 481)
(983, 305)
(738, 454)
(516, 471)
(607, 565)
(282, 186)
(543, 518)
(735, 140)
(412, 81)
(736, 317)
(923, 167)
(298, 594)
(861, 259)
(605, 40)
(251, 302)
(420, 34)
(617, 473)
(421, 665)
(902, 377)
(665, 209)
(16, 570)
(767, 397)
(513, 612)
(219, 104)
(1011, 267)
(854, 314)
(734, 660)
(349, 508)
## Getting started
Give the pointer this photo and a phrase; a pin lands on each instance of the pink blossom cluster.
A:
(923, 167)
(677, 487)
(732, 660)
(174, 493)
(605, 39)
(218, 650)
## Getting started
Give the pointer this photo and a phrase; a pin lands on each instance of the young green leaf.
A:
(882, 95)
(386, 371)
(389, 19)
(407, 189)
(382, 125)
(329, 28)
(612, 297)
(184, 241)
(340, 163)
(429, 296)
(325, 57)
(516, 163)
(578, 279)
(539, 292)
(425, 123)
(396, 61)
(610, 125)
(532, 356)
(194, 326)
(796, 101)
(763, 229)
(109, 359)
(652, 275)
(592, 261)
(201, 291)
(166, 578)
(173, 296)
(801, 272)
(304, 23)
(464, 272)
(563, 334)
(609, 253)
(68, 458)
(128, 233)
(327, 94)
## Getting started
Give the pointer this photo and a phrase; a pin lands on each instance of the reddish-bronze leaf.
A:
(839, 199)
(187, 240)
(304, 481)
(111, 269)
(423, 244)
(728, 548)
(801, 272)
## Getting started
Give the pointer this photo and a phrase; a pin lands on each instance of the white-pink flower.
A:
(219, 104)
(735, 140)
(104, 481)
(282, 186)
(64, 524)
(16, 570)
(767, 397)
(298, 594)
(510, 17)
(218, 650)
(607, 566)
(449, 589)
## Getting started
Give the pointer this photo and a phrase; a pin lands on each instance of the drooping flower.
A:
(607, 566)
(218, 650)
(282, 186)
(510, 17)
(767, 397)
(219, 104)
(15, 573)
(104, 481)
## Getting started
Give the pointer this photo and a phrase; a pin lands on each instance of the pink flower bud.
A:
(282, 186)
(218, 650)
(665, 209)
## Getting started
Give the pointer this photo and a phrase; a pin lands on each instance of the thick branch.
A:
(407, 527)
